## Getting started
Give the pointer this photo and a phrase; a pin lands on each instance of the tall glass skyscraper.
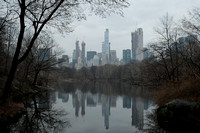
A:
(127, 56)
(106, 45)
(90, 55)
(83, 60)
(77, 50)
(137, 44)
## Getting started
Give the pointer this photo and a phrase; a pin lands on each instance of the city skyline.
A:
(138, 15)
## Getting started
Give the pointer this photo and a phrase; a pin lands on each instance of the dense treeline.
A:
(106, 72)
(133, 73)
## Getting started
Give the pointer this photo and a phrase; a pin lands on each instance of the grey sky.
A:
(141, 14)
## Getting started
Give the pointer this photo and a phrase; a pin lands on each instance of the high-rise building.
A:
(100, 58)
(96, 60)
(147, 53)
(79, 64)
(106, 46)
(77, 50)
(66, 58)
(90, 55)
(104, 59)
(83, 54)
(113, 56)
(64, 61)
(137, 44)
(188, 41)
(45, 54)
(74, 60)
(76, 54)
(127, 56)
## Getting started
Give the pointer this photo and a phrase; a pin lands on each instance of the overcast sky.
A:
(141, 14)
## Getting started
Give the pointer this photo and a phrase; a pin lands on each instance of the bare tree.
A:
(42, 58)
(7, 38)
(191, 24)
(191, 27)
(11, 36)
(165, 47)
(37, 15)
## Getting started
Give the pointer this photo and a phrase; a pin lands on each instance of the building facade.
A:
(137, 44)
(113, 56)
(106, 46)
(127, 56)
(77, 50)
(45, 54)
(90, 55)
(64, 61)
(83, 60)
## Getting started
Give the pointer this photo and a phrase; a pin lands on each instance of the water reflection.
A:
(138, 112)
(78, 99)
(133, 100)
(40, 116)
(106, 110)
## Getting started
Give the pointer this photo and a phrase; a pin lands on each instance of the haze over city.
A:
(143, 14)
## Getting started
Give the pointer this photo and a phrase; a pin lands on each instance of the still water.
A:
(87, 108)
(105, 108)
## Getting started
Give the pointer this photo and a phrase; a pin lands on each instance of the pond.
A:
(90, 107)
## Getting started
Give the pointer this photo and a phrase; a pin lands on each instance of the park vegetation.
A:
(174, 66)
(35, 18)
(25, 42)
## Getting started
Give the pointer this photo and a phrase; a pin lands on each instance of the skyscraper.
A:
(106, 46)
(45, 54)
(90, 55)
(83, 53)
(95, 60)
(127, 56)
(113, 56)
(64, 61)
(137, 44)
(77, 50)
(74, 60)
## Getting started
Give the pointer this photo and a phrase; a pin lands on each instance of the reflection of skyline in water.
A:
(104, 107)
(81, 101)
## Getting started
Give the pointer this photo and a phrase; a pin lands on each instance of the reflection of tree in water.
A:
(41, 118)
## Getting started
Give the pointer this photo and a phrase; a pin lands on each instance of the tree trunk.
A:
(35, 105)
(7, 86)
(15, 62)
(35, 78)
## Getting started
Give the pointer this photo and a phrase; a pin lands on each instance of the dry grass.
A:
(188, 89)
